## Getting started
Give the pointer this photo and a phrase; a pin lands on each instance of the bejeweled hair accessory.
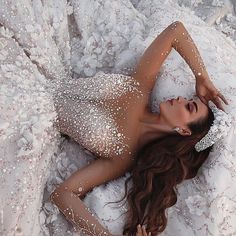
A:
(220, 127)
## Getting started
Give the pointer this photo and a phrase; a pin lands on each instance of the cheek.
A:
(166, 107)
(174, 114)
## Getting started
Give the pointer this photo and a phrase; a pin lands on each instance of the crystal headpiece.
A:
(219, 128)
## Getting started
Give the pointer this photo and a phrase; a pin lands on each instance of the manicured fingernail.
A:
(139, 226)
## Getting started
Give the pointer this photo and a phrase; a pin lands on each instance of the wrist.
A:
(201, 76)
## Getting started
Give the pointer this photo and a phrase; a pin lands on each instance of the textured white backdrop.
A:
(39, 42)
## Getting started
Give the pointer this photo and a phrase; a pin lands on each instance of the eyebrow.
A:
(195, 106)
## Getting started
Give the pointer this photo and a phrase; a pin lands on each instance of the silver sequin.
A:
(85, 116)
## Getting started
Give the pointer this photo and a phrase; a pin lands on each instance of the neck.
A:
(151, 127)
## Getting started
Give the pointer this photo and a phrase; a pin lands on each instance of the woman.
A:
(158, 149)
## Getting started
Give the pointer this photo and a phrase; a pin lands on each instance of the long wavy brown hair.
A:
(160, 166)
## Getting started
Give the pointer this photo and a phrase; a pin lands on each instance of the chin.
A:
(164, 107)
(161, 106)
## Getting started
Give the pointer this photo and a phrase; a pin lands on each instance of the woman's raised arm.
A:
(174, 36)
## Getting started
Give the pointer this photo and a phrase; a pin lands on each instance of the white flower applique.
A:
(197, 204)
(224, 206)
(5, 32)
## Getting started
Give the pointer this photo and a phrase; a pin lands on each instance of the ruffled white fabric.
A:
(52, 40)
(220, 128)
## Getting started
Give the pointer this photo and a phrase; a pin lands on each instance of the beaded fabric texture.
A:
(221, 126)
(85, 116)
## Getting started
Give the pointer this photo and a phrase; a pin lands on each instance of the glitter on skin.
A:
(84, 115)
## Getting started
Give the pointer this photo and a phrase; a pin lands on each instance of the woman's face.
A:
(181, 111)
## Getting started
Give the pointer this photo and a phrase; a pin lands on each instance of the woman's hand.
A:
(206, 91)
(141, 231)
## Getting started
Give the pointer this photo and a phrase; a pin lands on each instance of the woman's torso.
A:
(101, 112)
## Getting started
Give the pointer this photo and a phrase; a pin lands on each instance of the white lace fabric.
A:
(37, 46)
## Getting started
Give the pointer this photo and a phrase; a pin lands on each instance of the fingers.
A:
(141, 231)
(144, 231)
(217, 102)
(223, 98)
(204, 100)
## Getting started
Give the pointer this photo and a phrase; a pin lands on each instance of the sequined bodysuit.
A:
(88, 109)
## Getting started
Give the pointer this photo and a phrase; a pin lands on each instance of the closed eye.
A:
(195, 104)
(188, 107)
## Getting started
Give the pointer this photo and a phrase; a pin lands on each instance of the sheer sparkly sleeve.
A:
(67, 196)
(184, 45)
(174, 36)
(75, 210)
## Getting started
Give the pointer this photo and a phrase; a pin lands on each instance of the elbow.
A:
(60, 193)
(56, 195)
(175, 25)
(53, 196)
(178, 23)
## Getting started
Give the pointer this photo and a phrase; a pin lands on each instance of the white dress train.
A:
(41, 41)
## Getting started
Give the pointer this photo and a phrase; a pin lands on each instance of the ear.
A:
(184, 131)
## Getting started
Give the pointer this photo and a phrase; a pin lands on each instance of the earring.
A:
(176, 129)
